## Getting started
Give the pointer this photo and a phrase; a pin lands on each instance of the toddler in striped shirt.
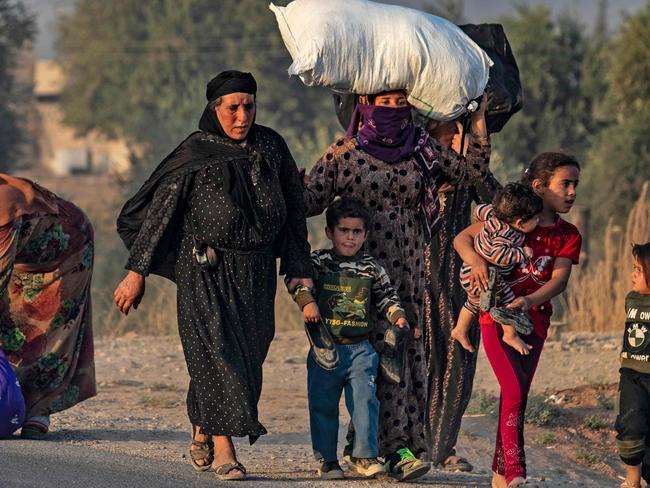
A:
(514, 213)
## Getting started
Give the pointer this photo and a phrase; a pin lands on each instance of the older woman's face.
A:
(395, 98)
(236, 114)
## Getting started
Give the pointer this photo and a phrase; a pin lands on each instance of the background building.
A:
(60, 149)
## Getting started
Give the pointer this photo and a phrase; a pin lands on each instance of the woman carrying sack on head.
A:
(395, 168)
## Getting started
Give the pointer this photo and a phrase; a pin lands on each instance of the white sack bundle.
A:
(365, 47)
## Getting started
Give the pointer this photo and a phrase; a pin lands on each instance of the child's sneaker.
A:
(403, 465)
(367, 467)
(330, 470)
(512, 316)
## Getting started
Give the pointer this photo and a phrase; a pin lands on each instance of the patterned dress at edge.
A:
(451, 368)
(226, 312)
(46, 262)
(393, 192)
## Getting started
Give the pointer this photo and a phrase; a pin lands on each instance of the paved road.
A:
(47, 464)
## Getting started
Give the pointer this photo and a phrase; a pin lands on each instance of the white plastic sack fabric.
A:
(366, 47)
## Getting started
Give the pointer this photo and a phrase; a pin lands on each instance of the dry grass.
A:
(596, 294)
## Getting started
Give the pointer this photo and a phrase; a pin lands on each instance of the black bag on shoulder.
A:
(504, 91)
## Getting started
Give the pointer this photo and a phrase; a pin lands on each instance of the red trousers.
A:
(514, 373)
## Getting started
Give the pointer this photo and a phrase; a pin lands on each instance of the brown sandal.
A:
(231, 471)
(457, 464)
(203, 451)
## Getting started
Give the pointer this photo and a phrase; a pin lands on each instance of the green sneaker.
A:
(403, 465)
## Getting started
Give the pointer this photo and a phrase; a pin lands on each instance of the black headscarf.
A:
(224, 83)
(192, 154)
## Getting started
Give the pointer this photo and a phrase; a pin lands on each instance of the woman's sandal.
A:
(201, 451)
(34, 431)
(457, 464)
(231, 471)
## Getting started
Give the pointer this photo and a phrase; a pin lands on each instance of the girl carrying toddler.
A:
(555, 245)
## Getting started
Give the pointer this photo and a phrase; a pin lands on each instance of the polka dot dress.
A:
(226, 313)
(392, 192)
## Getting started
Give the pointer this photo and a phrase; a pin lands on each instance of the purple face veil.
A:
(387, 133)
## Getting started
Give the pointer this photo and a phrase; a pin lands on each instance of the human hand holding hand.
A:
(306, 282)
(401, 323)
(522, 303)
(310, 312)
(129, 292)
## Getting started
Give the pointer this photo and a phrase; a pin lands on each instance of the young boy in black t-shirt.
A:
(633, 421)
(347, 283)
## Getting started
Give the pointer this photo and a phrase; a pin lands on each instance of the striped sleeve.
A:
(498, 250)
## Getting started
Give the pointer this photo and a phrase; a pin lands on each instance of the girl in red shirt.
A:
(556, 247)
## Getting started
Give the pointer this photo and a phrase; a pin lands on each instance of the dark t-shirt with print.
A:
(346, 289)
(344, 304)
(636, 337)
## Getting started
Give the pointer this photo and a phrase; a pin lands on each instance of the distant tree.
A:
(629, 69)
(138, 70)
(600, 26)
(557, 113)
(453, 10)
(16, 28)
(619, 161)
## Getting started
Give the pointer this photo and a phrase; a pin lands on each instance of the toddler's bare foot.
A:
(462, 337)
(517, 344)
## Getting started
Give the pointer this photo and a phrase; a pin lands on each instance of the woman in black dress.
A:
(213, 217)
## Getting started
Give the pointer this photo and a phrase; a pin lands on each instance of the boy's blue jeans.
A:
(356, 374)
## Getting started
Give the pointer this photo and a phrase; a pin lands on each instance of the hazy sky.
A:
(475, 10)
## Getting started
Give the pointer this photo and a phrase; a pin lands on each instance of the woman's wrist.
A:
(479, 133)
(478, 127)
(134, 275)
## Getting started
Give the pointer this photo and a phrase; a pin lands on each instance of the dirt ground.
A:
(140, 411)
(142, 381)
